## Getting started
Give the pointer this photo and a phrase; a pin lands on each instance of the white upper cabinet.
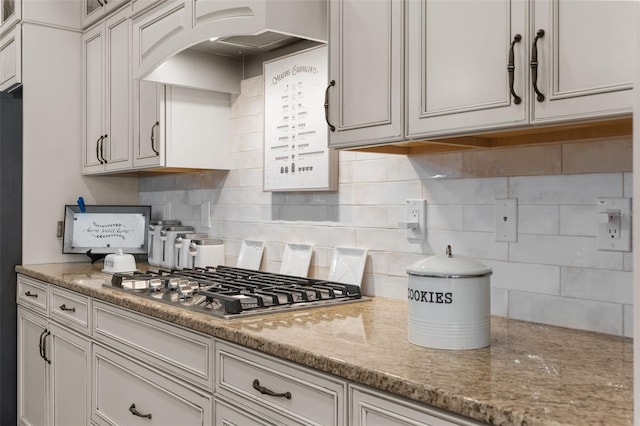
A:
(11, 58)
(461, 56)
(475, 66)
(10, 14)
(181, 128)
(108, 123)
(94, 10)
(364, 99)
(585, 58)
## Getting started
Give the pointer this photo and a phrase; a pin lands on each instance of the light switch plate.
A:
(614, 224)
(506, 210)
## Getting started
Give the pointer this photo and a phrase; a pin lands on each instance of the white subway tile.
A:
(597, 284)
(198, 196)
(384, 286)
(364, 217)
(244, 106)
(628, 321)
(369, 171)
(248, 159)
(579, 220)
(386, 240)
(303, 213)
(479, 217)
(395, 215)
(563, 250)
(252, 86)
(444, 217)
(437, 166)
(544, 279)
(627, 261)
(346, 194)
(345, 155)
(478, 245)
(464, 191)
(389, 263)
(364, 155)
(247, 124)
(242, 213)
(565, 189)
(386, 193)
(244, 196)
(566, 312)
(628, 185)
(401, 168)
(538, 220)
(500, 302)
(247, 142)
(244, 178)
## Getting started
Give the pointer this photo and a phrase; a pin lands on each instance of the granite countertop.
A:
(531, 374)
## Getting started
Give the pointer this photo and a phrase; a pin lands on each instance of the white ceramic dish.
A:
(347, 265)
(250, 255)
(296, 260)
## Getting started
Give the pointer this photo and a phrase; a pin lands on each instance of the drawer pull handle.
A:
(132, 410)
(44, 346)
(63, 307)
(265, 391)
(29, 294)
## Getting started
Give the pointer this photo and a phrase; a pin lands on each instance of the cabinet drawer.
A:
(183, 353)
(235, 414)
(370, 407)
(70, 308)
(311, 397)
(122, 388)
(33, 293)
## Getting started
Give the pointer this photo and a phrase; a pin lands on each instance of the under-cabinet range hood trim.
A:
(168, 40)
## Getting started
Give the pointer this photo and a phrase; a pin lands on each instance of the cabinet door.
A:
(457, 65)
(586, 65)
(119, 84)
(32, 369)
(70, 373)
(10, 13)
(365, 61)
(126, 393)
(93, 99)
(11, 59)
(148, 139)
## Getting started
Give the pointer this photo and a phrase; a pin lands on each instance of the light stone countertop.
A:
(531, 374)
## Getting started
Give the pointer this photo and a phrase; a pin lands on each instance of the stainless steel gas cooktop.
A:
(229, 292)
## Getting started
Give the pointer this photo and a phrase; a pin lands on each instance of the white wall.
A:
(554, 274)
(51, 67)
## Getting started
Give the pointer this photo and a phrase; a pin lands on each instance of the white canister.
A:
(155, 244)
(183, 239)
(206, 252)
(168, 244)
(449, 302)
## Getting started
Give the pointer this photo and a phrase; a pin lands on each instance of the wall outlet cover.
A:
(506, 219)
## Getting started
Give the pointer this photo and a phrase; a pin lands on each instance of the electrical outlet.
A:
(416, 219)
(506, 210)
(614, 224)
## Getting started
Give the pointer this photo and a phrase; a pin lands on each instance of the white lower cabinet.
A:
(53, 373)
(281, 390)
(138, 370)
(368, 407)
(126, 393)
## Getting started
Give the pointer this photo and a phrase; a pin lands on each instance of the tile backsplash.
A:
(553, 274)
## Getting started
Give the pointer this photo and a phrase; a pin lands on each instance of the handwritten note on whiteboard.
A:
(112, 230)
(296, 153)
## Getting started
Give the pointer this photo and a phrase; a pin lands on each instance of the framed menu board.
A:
(296, 152)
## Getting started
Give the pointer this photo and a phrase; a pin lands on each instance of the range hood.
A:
(208, 44)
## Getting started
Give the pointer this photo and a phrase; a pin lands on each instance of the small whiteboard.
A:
(296, 152)
(103, 229)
